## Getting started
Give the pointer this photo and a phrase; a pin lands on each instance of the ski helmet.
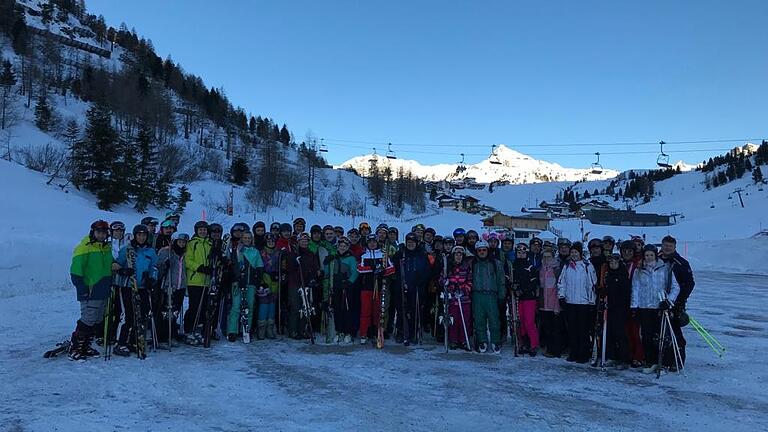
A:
(269, 237)
(299, 221)
(353, 231)
(285, 227)
(394, 230)
(521, 247)
(150, 221)
(459, 232)
(99, 225)
(179, 236)
(200, 224)
(240, 226)
(430, 230)
(412, 237)
(482, 244)
(563, 241)
(215, 227)
(609, 239)
(472, 233)
(315, 228)
(274, 226)
(458, 249)
(259, 224)
(117, 225)
(437, 239)
(140, 228)
(345, 241)
(168, 223)
(364, 225)
(535, 240)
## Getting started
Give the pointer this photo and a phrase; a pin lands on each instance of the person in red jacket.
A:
(375, 269)
(355, 246)
(284, 240)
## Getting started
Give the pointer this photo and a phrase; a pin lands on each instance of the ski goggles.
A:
(117, 226)
(168, 224)
(181, 236)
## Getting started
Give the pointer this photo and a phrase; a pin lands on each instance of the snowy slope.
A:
(515, 167)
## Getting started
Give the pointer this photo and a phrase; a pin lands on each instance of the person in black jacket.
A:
(681, 269)
(412, 270)
(618, 290)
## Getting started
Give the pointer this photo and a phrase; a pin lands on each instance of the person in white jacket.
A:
(576, 292)
(654, 288)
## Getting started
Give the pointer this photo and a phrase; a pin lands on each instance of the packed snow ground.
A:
(289, 385)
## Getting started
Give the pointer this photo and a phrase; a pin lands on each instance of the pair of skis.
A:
(447, 319)
(307, 307)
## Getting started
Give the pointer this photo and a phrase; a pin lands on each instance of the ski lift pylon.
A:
(494, 158)
(390, 153)
(663, 159)
(596, 167)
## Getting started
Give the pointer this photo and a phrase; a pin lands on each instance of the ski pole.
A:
(698, 326)
(711, 341)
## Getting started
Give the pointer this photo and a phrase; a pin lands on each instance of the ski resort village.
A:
(310, 216)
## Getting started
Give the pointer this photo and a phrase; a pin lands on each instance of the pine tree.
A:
(285, 135)
(7, 80)
(182, 199)
(239, 171)
(757, 175)
(100, 147)
(43, 114)
(144, 177)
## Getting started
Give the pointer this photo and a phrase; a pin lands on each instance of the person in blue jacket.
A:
(138, 261)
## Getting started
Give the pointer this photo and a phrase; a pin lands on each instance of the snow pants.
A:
(198, 303)
(650, 322)
(617, 346)
(527, 312)
(581, 323)
(346, 312)
(636, 350)
(456, 331)
(485, 313)
(233, 319)
(126, 333)
(267, 310)
(550, 332)
(370, 312)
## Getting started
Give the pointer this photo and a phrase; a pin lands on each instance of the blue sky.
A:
(535, 76)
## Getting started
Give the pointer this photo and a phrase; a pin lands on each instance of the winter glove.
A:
(262, 291)
(204, 269)
(563, 303)
(127, 272)
(664, 305)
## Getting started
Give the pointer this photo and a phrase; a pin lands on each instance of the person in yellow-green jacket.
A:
(91, 273)
(197, 264)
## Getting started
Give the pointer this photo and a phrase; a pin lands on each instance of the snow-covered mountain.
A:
(514, 167)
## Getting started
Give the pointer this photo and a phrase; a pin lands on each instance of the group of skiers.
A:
(468, 291)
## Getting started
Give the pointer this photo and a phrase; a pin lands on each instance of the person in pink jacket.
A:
(549, 306)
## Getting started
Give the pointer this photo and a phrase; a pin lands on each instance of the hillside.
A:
(513, 167)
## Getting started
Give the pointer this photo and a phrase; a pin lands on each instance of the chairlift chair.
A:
(323, 148)
(596, 167)
(390, 153)
(663, 159)
(494, 158)
(374, 156)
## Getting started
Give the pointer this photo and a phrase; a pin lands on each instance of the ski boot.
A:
(495, 348)
(363, 340)
(232, 337)
(270, 330)
(88, 350)
(533, 351)
(261, 329)
(347, 339)
(77, 349)
(483, 347)
(122, 351)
